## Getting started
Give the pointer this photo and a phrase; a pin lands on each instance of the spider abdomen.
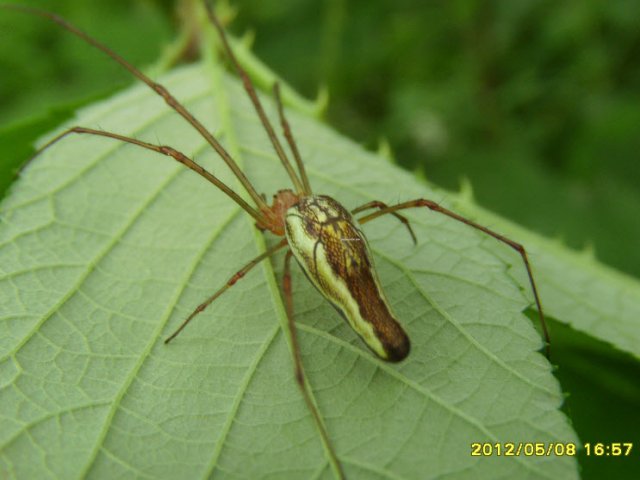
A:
(335, 256)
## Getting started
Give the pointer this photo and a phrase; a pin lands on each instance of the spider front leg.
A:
(381, 206)
(431, 205)
(299, 369)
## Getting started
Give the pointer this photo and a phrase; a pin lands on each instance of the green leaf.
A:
(106, 248)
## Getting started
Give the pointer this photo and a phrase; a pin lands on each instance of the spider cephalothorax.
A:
(274, 215)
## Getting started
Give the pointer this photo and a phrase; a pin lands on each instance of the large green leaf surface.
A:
(106, 248)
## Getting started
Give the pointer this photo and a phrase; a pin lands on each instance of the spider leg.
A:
(381, 205)
(230, 283)
(433, 206)
(162, 149)
(286, 128)
(299, 369)
(255, 100)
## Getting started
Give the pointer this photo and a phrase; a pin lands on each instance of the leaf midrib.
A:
(234, 148)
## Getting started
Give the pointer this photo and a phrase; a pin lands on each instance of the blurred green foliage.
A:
(42, 67)
(537, 102)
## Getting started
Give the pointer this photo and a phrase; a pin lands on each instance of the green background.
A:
(535, 102)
